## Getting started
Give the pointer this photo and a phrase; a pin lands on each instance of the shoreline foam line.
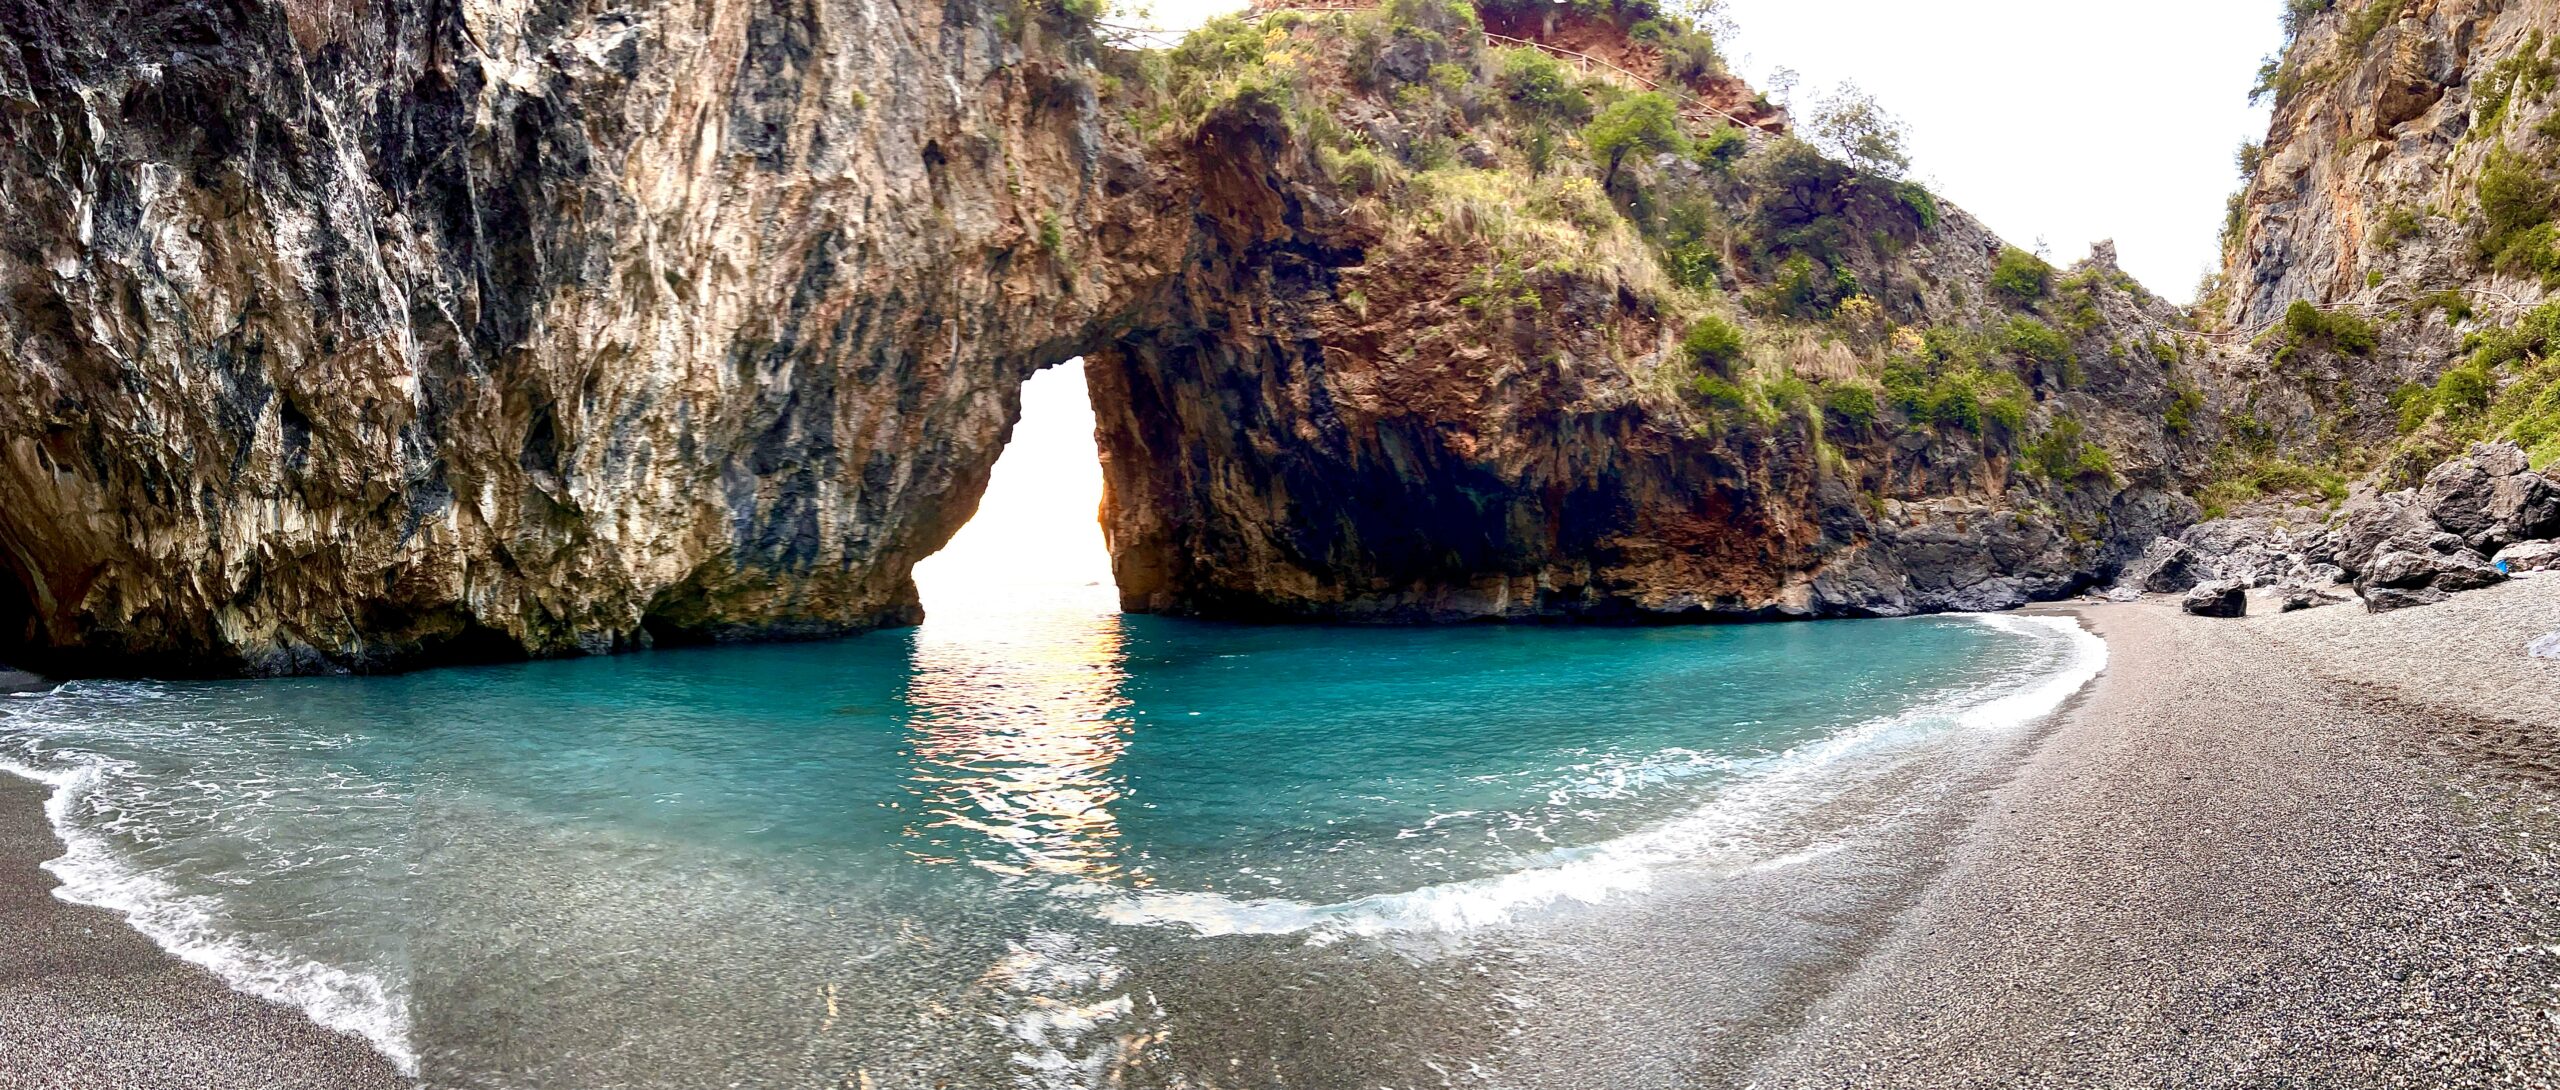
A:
(357, 1004)
(1627, 864)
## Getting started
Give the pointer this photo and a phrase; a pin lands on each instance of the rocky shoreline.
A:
(90, 1003)
(2478, 520)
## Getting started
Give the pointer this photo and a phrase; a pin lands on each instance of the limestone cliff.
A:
(358, 336)
(2388, 259)
(343, 335)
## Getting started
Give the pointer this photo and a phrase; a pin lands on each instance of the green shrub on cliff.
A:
(2180, 416)
(2529, 72)
(2336, 330)
(1852, 407)
(2516, 206)
(2455, 305)
(1720, 148)
(1539, 89)
(2263, 476)
(2464, 389)
(2020, 276)
(1719, 393)
(2037, 341)
(1713, 344)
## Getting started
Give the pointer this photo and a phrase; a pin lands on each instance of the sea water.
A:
(1038, 843)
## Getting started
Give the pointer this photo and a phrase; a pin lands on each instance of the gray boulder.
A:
(2530, 556)
(2456, 495)
(2168, 567)
(2500, 459)
(2386, 599)
(2491, 497)
(2521, 508)
(2396, 567)
(2370, 525)
(2465, 570)
(2217, 600)
(19, 681)
(2296, 597)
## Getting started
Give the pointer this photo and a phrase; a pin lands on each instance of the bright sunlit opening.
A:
(1038, 533)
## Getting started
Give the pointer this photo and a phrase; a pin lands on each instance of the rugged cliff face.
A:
(1468, 384)
(352, 337)
(348, 335)
(2388, 259)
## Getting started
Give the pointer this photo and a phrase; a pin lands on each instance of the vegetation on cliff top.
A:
(1778, 272)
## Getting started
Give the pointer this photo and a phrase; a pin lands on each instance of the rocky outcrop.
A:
(343, 340)
(347, 337)
(1335, 419)
(2403, 548)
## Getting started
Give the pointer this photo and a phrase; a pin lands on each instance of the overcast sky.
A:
(2048, 119)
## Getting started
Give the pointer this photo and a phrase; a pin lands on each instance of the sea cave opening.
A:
(1036, 540)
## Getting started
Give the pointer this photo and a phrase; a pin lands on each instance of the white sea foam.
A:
(1728, 831)
(189, 927)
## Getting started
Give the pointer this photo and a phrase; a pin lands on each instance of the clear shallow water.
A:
(1035, 843)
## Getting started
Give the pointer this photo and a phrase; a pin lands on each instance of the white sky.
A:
(2063, 120)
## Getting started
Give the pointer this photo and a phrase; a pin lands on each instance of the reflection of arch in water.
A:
(1016, 719)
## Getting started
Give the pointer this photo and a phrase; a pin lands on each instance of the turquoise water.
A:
(1033, 843)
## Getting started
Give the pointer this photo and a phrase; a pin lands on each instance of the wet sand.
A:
(87, 1003)
(2302, 850)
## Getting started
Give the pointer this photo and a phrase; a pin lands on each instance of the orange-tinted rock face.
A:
(1335, 419)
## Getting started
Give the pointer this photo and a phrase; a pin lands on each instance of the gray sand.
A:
(87, 1003)
(2286, 851)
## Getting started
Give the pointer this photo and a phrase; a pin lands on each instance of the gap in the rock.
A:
(1036, 542)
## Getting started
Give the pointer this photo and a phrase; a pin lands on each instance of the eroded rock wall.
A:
(1330, 422)
(2367, 202)
(338, 335)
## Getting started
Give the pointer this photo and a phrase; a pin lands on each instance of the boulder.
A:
(2296, 597)
(2371, 525)
(2217, 600)
(2521, 508)
(2456, 495)
(2465, 570)
(2260, 552)
(2386, 599)
(2168, 567)
(2500, 459)
(2401, 568)
(19, 681)
(2454, 570)
(2530, 556)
